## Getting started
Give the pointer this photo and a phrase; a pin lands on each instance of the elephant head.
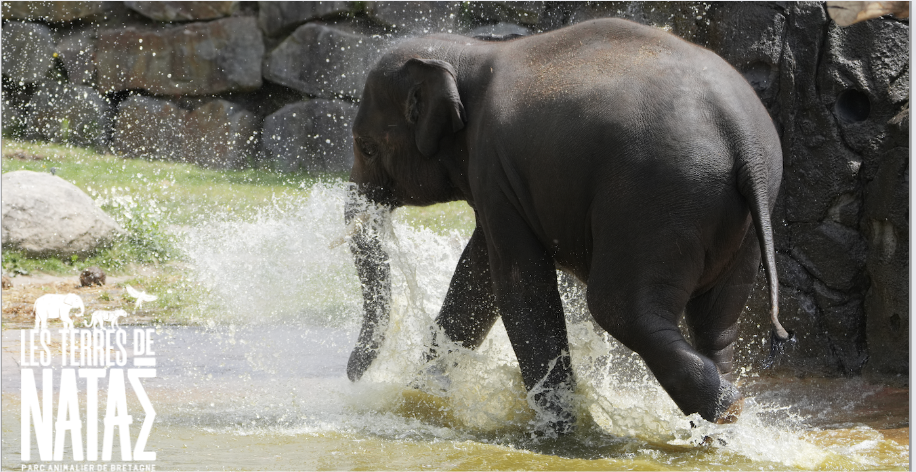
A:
(74, 301)
(404, 153)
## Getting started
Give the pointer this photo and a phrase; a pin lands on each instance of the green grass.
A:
(441, 218)
(146, 197)
(183, 191)
(150, 198)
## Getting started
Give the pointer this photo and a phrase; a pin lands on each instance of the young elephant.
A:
(642, 164)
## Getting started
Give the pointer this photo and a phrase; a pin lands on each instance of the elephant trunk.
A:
(374, 273)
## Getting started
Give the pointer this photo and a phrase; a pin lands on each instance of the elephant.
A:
(99, 318)
(641, 164)
(54, 305)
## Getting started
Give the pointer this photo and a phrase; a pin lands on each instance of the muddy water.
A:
(260, 383)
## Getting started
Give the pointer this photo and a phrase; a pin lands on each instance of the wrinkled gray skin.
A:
(642, 164)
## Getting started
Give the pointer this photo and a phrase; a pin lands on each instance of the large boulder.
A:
(751, 39)
(418, 17)
(28, 51)
(54, 12)
(315, 136)
(324, 61)
(64, 113)
(183, 11)
(684, 19)
(216, 133)
(865, 82)
(277, 18)
(45, 215)
(193, 59)
(220, 134)
(149, 128)
(838, 97)
(77, 52)
(13, 123)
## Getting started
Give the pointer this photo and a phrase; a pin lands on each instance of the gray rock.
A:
(13, 119)
(64, 113)
(313, 136)
(28, 51)
(276, 18)
(46, 215)
(193, 59)
(683, 19)
(148, 128)
(864, 80)
(217, 133)
(183, 11)
(418, 17)
(324, 61)
(792, 274)
(887, 302)
(832, 253)
(54, 12)
(220, 134)
(798, 313)
(751, 38)
(842, 324)
(77, 52)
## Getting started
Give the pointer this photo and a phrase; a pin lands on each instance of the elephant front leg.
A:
(469, 310)
(525, 283)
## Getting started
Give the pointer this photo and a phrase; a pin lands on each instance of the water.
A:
(260, 383)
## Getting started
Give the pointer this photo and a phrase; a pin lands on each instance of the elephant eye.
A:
(368, 148)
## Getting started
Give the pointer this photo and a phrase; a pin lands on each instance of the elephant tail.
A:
(752, 183)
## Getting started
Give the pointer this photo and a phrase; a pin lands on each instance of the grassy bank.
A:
(148, 197)
(153, 200)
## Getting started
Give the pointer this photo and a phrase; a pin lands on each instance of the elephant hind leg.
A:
(713, 316)
(641, 311)
(525, 290)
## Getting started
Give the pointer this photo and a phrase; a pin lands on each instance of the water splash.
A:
(276, 267)
(276, 270)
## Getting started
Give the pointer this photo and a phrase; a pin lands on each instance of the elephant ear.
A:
(433, 105)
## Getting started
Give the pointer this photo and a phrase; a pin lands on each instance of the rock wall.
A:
(234, 84)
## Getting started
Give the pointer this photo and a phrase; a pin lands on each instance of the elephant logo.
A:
(99, 317)
(54, 305)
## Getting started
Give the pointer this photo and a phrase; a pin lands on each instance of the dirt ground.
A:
(17, 301)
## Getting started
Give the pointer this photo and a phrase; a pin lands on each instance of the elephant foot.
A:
(554, 428)
(555, 413)
(433, 379)
(730, 404)
(732, 413)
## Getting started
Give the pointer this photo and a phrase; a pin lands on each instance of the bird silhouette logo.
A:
(140, 296)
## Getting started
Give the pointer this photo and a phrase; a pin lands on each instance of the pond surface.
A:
(272, 397)
(260, 383)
